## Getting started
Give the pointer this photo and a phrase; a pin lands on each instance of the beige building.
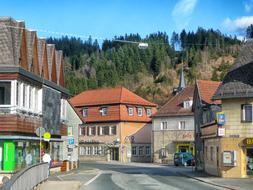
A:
(229, 147)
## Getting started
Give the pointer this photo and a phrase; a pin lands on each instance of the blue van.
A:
(183, 159)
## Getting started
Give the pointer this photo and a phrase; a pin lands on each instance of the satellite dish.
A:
(143, 45)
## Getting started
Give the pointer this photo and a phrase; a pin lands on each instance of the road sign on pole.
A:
(40, 132)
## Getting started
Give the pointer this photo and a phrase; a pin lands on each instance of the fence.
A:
(28, 178)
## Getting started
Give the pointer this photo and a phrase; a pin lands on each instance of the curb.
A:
(203, 181)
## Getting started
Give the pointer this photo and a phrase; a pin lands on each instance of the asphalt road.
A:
(133, 176)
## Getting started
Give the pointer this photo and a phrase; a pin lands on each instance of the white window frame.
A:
(110, 130)
(104, 111)
(130, 111)
(149, 112)
(182, 125)
(164, 125)
(139, 111)
(147, 150)
(85, 112)
(244, 113)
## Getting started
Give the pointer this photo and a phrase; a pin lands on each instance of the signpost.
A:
(47, 136)
(40, 132)
(220, 117)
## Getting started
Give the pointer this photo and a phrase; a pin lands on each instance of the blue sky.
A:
(106, 18)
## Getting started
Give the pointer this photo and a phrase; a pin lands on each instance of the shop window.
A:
(139, 111)
(181, 125)
(82, 151)
(134, 150)
(88, 150)
(246, 113)
(92, 131)
(148, 112)
(113, 130)
(95, 150)
(5, 93)
(147, 150)
(130, 111)
(141, 150)
(104, 111)
(85, 112)
(164, 125)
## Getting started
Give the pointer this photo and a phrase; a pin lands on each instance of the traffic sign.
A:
(40, 131)
(71, 141)
(47, 136)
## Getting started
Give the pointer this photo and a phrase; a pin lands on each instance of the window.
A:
(164, 125)
(113, 130)
(139, 111)
(82, 151)
(88, 150)
(92, 131)
(17, 94)
(181, 125)
(104, 111)
(187, 104)
(24, 95)
(206, 153)
(95, 149)
(147, 150)
(104, 130)
(130, 111)
(134, 151)
(30, 97)
(85, 112)
(246, 110)
(140, 150)
(212, 153)
(149, 112)
(82, 130)
(5, 93)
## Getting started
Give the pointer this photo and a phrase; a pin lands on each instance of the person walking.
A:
(47, 158)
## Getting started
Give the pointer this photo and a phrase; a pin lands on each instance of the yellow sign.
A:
(220, 118)
(47, 136)
(248, 141)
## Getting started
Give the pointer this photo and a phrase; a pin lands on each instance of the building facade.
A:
(117, 125)
(32, 95)
(205, 110)
(230, 153)
(173, 127)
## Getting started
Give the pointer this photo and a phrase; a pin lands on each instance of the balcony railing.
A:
(8, 109)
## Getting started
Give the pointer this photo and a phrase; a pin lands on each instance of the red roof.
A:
(109, 96)
(207, 89)
(174, 107)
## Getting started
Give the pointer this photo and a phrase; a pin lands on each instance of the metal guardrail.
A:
(28, 178)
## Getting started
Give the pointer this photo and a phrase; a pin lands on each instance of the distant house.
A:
(117, 125)
(173, 125)
(204, 109)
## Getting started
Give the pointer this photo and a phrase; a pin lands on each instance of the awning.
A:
(28, 138)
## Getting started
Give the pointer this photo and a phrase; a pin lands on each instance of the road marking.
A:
(59, 178)
(93, 179)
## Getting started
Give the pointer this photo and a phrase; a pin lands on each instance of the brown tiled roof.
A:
(175, 105)
(207, 89)
(109, 96)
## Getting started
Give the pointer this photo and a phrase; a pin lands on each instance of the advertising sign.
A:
(248, 142)
(229, 158)
(220, 117)
(221, 132)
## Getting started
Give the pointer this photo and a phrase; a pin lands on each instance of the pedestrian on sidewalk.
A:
(47, 158)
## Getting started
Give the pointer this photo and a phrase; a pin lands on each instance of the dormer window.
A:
(85, 112)
(130, 111)
(148, 112)
(104, 111)
(139, 111)
(187, 104)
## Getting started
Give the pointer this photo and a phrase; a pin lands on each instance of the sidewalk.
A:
(232, 184)
(62, 185)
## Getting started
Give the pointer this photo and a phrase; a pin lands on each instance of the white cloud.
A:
(182, 12)
(238, 25)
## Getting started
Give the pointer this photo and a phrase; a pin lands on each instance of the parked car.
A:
(183, 159)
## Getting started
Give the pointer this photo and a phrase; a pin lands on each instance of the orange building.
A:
(117, 125)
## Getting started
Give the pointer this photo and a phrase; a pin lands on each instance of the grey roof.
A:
(12, 35)
(238, 83)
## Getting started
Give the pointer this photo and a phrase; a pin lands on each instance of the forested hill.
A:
(151, 72)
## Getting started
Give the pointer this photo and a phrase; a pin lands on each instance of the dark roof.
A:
(174, 107)
(238, 82)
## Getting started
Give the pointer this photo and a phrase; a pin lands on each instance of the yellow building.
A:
(228, 148)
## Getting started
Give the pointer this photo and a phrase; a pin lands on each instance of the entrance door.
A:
(249, 161)
(115, 154)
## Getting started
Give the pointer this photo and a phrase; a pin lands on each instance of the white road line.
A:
(59, 178)
(93, 179)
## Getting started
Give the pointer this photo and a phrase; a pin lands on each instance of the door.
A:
(115, 154)
(249, 161)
